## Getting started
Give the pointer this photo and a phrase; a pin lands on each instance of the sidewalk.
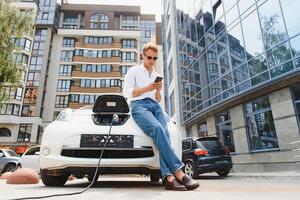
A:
(283, 175)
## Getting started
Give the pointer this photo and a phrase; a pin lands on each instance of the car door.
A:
(2, 160)
(30, 159)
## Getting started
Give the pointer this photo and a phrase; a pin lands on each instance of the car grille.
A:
(109, 153)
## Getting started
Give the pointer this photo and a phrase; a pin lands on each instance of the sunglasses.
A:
(151, 58)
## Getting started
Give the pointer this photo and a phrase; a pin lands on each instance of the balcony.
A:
(81, 59)
(97, 46)
(116, 89)
(74, 105)
(96, 74)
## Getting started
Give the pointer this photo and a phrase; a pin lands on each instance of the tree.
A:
(14, 24)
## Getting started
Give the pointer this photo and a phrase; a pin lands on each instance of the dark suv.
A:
(205, 154)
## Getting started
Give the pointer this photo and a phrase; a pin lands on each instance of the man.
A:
(144, 96)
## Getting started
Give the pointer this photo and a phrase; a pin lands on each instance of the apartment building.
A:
(13, 129)
(233, 72)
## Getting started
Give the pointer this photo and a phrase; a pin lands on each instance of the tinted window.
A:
(209, 144)
(33, 151)
(186, 145)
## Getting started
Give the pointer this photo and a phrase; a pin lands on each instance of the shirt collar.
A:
(144, 68)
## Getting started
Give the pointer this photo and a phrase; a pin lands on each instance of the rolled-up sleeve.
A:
(129, 83)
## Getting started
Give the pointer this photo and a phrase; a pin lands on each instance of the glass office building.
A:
(234, 71)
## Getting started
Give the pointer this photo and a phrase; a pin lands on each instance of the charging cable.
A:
(115, 118)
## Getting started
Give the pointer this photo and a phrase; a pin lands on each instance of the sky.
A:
(147, 6)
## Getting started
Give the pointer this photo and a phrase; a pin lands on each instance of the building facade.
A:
(233, 72)
(14, 129)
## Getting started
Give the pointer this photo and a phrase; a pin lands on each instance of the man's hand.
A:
(151, 87)
(158, 86)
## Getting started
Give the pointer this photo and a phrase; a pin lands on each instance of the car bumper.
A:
(213, 164)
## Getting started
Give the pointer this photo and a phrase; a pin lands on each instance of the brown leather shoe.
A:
(174, 185)
(189, 183)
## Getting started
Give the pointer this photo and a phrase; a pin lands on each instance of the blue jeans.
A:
(150, 118)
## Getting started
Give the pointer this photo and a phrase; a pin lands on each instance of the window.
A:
(36, 63)
(63, 85)
(129, 43)
(186, 145)
(104, 25)
(40, 34)
(172, 104)
(97, 40)
(18, 94)
(95, 21)
(129, 22)
(170, 71)
(9, 109)
(61, 101)
(202, 129)
(38, 47)
(69, 42)
(20, 58)
(124, 70)
(65, 70)
(23, 43)
(260, 125)
(33, 79)
(224, 130)
(24, 132)
(28, 111)
(5, 132)
(31, 95)
(148, 34)
(129, 57)
(66, 56)
(296, 97)
(45, 15)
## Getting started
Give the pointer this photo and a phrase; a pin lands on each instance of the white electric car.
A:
(73, 143)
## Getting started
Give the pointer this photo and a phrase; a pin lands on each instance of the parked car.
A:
(30, 159)
(205, 154)
(8, 160)
(73, 142)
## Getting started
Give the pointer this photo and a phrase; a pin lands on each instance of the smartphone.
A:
(158, 78)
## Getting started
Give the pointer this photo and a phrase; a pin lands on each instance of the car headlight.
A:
(45, 151)
(64, 115)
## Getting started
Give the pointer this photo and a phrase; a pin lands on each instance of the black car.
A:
(205, 154)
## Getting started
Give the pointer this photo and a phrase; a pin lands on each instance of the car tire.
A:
(154, 177)
(53, 180)
(91, 176)
(189, 169)
(223, 173)
(10, 167)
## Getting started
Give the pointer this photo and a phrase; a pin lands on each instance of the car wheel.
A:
(155, 177)
(223, 173)
(189, 169)
(53, 180)
(91, 176)
(10, 167)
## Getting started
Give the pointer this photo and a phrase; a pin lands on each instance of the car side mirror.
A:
(1, 155)
(37, 153)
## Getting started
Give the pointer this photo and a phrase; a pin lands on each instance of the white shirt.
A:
(139, 77)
